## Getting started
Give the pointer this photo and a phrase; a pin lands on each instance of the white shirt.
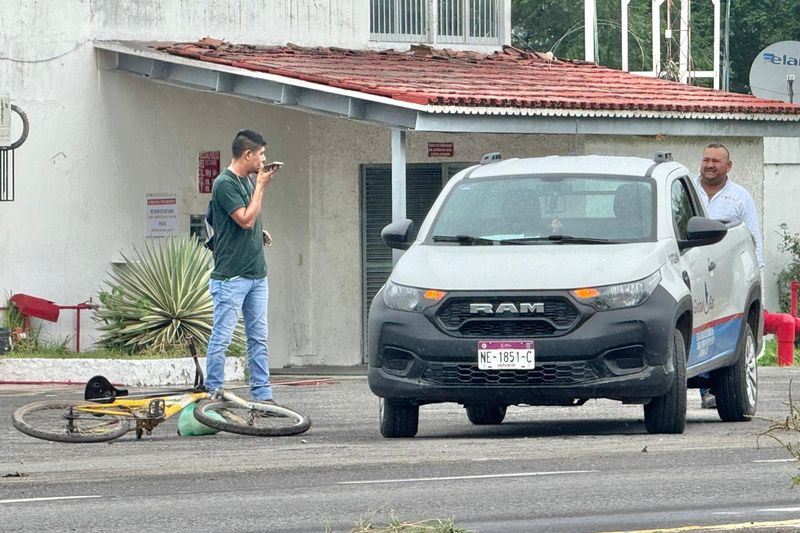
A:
(733, 202)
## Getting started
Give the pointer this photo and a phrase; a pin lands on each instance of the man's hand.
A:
(267, 238)
(265, 176)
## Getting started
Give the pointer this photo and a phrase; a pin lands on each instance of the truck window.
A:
(599, 207)
(682, 209)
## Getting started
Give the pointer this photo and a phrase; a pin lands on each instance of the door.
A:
(697, 266)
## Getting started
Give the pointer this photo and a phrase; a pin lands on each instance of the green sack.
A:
(189, 426)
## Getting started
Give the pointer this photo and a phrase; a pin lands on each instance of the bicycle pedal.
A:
(156, 408)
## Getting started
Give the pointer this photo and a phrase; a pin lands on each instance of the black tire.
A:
(667, 413)
(399, 419)
(736, 387)
(59, 421)
(258, 419)
(486, 414)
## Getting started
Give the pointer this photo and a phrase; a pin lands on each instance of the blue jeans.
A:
(229, 297)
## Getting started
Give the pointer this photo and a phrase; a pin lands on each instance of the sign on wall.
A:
(207, 170)
(5, 120)
(162, 215)
(440, 149)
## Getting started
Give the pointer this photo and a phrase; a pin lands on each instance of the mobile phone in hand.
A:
(275, 164)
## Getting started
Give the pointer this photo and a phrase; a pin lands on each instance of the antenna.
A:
(773, 71)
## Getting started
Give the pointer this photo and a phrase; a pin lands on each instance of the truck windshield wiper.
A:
(465, 239)
(558, 239)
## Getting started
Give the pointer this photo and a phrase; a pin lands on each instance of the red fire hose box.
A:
(36, 307)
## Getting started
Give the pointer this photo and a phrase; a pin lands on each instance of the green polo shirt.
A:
(237, 251)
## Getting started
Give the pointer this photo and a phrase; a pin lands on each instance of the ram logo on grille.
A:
(522, 309)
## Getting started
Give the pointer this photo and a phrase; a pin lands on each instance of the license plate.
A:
(505, 355)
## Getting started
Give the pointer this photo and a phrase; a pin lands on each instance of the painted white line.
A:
(775, 460)
(453, 478)
(780, 510)
(52, 498)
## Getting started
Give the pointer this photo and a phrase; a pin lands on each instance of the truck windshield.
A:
(574, 209)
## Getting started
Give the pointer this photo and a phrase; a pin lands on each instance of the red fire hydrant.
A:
(784, 326)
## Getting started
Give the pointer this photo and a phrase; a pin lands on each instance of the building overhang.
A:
(141, 60)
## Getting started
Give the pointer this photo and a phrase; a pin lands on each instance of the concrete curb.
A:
(129, 372)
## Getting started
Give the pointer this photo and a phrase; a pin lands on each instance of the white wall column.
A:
(398, 181)
(624, 10)
(589, 28)
(716, 43)
(683, 59)
(657, 36)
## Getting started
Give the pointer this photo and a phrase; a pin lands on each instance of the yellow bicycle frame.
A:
(139, 407)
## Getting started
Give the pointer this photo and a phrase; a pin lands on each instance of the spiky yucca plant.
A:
(157, 299)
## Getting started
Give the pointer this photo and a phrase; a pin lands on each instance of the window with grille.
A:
(457, 21)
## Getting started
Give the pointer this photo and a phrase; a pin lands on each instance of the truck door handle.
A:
(711, 266)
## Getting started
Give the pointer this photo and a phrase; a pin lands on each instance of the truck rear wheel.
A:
(667, 413)
(399, 419)
(486, 414)
(736, 387)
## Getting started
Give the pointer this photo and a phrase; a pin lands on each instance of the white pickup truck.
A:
(554, 280)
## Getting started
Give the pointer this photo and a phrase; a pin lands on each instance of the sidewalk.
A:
(140, 372)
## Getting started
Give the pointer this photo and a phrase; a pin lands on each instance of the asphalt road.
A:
(587, 469)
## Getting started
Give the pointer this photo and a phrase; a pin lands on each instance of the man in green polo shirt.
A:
(239, 280)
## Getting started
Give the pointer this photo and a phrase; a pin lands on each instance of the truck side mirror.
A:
(398, 234)
(701, 231)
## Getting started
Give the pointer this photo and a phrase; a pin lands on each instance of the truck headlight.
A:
(404, 298)
(619, 296)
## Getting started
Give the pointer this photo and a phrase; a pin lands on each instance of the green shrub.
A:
(152, 303)
(790, 243)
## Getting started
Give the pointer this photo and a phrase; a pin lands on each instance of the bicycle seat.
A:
(99, 389)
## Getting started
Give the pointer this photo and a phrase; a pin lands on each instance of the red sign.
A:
(207, 170)
(440, 150)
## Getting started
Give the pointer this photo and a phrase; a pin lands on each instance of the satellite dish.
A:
(774, 71)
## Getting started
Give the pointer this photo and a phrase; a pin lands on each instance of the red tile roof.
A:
(510, 78)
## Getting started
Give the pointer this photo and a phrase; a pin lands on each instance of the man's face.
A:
(715, 166)
(255, 159)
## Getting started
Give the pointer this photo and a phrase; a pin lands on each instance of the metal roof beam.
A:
(261, 90)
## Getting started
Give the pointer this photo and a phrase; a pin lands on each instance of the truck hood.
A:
(539, 267)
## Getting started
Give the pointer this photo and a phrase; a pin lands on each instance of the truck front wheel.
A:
(667, 413)
(482, 414)
(736, 387)
(399, 419)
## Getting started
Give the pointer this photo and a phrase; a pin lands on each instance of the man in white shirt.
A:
(725, 200)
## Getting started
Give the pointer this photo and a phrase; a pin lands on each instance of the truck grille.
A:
(559, 317)
(546, 374)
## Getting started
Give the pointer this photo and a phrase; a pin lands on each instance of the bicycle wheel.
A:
(59, 421)
(260, 419)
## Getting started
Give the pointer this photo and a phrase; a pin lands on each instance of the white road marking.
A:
(453, 478)
(52, 498)
(780, 510)
(775, 460)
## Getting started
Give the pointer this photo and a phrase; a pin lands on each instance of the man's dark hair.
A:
(246, 140)
(720, 146)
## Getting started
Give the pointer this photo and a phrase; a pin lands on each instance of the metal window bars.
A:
(458, 21)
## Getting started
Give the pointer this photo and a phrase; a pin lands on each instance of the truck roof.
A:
(584, 164)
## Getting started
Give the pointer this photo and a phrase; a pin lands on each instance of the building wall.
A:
(781, 194)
